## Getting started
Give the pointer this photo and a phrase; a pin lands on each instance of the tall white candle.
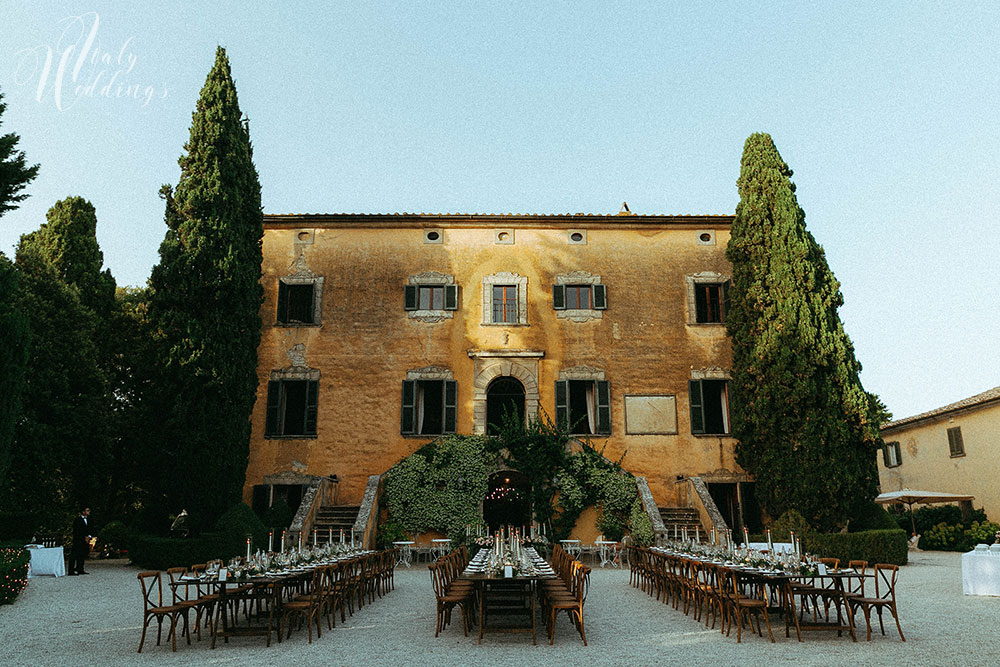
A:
(283, 539)
(315, 531)
(270, 540)
(248, 548)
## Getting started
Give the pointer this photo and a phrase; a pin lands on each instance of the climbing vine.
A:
(440, 486)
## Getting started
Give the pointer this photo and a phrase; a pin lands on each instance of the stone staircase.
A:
(337, 518)
(682, 517)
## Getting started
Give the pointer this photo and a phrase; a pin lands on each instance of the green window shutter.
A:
(697, 409)
(450, 405)
(312, 407)
(451, 297)
(562, 403)
(885, 453)
(282, 315)
(603, 407)
(600, 297)
(559, 297)
(272, 423)
(410, 297)
(409, 412)
(701, 301)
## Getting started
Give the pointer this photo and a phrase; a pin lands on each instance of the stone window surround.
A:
(711, 373)
(431, 278)
(491, 364)
(710, 277)
(579, 314)
(298, 369)
(301, 275)
(505, 278)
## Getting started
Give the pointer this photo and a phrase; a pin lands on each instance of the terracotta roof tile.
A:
(972, 401)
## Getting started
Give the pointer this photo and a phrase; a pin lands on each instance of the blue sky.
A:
(887, 113)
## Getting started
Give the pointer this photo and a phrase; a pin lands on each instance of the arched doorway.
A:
(508, 501)
(505, 394)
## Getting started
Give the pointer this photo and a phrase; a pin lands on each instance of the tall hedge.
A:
(874, 546)
(205, 307)
(805, 426)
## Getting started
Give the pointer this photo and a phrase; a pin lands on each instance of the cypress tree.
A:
(205, 303)
(803, 421)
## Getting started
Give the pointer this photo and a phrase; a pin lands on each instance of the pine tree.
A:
(803, 421)
(206, 298)
(14, 173)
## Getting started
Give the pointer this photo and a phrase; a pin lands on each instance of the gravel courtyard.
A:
(96, 620)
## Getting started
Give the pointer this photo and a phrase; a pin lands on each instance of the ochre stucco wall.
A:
(366, 341)
(926, 463)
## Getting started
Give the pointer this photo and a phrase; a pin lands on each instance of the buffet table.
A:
(981, 573)
(50, 561)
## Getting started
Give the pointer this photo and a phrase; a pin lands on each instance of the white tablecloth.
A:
(48, 561)
(980, 573)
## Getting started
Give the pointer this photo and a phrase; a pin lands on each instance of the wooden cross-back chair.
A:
(884, 598)
(447, 600)
(153, 608)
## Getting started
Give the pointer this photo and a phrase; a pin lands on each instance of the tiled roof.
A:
(988, 396)
(624, 219)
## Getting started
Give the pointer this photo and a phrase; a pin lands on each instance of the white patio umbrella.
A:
(909, 497)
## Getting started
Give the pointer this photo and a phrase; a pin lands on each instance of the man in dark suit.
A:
(81, 542)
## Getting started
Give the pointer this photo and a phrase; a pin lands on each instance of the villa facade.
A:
(382, 332)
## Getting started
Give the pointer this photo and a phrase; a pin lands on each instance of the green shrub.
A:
(874, 546)
(279, 515)
(236, 524)
(389, 532)
(113, 539)
(787, 522)
(930, 516)
(159, 553)
(642, 527)
(13, 573)
(982, 532)
(945, 537)
(873, 516)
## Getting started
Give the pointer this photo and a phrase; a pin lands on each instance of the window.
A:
(955, 444)
(505, 304)
(890, 454)
(296, 303)
(711, 301)
(430, 297)
(291, 408)
(709, 401)
(430, 407)
(584, 406)
(579, 297)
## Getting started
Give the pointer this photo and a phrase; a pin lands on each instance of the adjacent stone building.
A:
(954, 449)
(382, 332)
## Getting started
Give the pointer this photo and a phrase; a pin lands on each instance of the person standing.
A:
(81, 542)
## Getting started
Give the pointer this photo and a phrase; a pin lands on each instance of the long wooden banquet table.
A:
(269, 587)
(522, 587)
(778, 588)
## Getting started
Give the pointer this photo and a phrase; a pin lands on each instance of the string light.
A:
(13, 573)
